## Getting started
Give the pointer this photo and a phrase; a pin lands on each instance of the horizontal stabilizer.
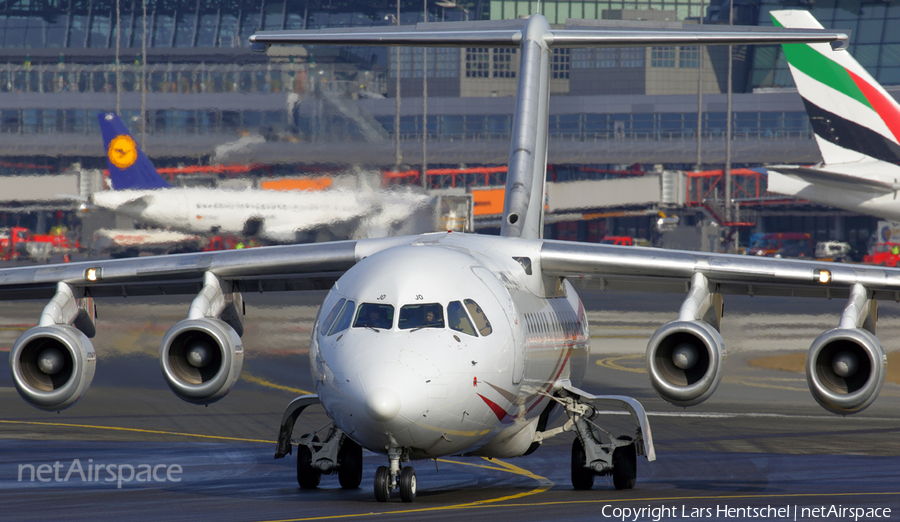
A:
(836, 180)
(510, 34)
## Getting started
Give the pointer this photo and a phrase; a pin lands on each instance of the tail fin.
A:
(128, 167)
(853, 117)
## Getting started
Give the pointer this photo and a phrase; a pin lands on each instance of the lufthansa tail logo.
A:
(122, 151)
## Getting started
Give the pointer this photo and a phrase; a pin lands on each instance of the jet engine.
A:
(52, 366)
(686, 361)
(845, 369)
(201, 359)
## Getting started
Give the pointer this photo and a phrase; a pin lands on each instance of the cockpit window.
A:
(430, 315)
(326, 324)
(343, 321)
(481, 320)
(371, 315)
(459, 320)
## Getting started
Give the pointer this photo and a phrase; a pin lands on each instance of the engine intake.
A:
(845, 369)
(685, 361)
(52, 366)
(201, 359)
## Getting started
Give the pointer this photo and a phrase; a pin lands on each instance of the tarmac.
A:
(760, 447)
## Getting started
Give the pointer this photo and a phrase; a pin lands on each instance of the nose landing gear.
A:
(388, 478)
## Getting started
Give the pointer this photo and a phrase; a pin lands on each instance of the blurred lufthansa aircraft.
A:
(279, 216)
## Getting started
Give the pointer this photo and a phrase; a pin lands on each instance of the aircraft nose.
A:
(382, 404)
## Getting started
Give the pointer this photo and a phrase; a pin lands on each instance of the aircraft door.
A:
(497, 289)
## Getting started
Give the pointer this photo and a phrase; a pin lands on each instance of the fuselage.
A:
(473, 376)
(279, 214)
(861, 198)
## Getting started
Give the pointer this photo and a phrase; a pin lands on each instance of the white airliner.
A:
(856, 125)
(458, 344)
(280, 216)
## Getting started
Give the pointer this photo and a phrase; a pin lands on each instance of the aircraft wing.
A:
(656, 270)
(837, 180)
(291, 267)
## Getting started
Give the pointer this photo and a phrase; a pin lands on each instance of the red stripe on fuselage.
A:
(885, 108)
(498, 411)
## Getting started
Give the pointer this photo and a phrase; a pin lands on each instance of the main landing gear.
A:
(591, 456)
(623, 463)
(338, 453)
(387, 478)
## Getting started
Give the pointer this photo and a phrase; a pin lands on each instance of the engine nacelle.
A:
(686, 361)
(52, 366)
(201, 359)
(845, 369)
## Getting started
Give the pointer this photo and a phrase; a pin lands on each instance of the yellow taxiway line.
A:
(134, 430)
(544, 484)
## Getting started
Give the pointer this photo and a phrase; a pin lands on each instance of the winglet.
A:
(128, 167)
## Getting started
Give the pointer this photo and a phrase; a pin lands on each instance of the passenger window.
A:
(430, 315)
(326, 324)
(343, 321)
(481, 321)
(459, 321)
(372, 315)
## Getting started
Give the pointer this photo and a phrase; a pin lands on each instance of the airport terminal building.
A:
(299, 107)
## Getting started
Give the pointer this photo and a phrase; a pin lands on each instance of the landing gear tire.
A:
(350, 460)
(582, 477)
(307, 477)
(382, 484)
(407, 484)
(624, 465)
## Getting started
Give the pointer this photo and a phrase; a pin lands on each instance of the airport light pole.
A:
(118, 66)
(728, 124)
(425, 105)
(398, 157)
(700, 50)
(144, 81)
